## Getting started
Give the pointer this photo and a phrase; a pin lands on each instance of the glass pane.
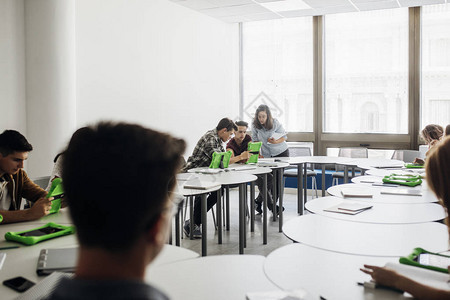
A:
(278, 71)
(366, 72)
(435, 100)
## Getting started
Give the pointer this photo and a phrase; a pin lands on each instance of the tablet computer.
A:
(57, 192)
(33, 236)
(428, 260)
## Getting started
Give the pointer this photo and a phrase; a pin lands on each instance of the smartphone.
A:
(19, 284)
(434, 260)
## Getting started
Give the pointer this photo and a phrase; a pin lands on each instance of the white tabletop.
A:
(381, 212)
(367, 179)
(330, 274)
(366, 238)
(62, 217)
(427, 195)
(387, 172)
(213, 277)
(318, 160)
(370, 163)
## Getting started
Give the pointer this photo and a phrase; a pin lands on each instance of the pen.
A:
(10, 247)
(374, 285)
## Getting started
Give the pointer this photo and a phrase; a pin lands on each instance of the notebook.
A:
(401, 192)
(349, 208)
(198, 184)
(60, 260)
(356, 193)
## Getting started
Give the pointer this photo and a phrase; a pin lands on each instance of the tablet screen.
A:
(41, 232)
(434, 260)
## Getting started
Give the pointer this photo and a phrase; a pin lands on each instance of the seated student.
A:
(57, 169)
(431, 134)
(438, 178)
(14, 182)
(122, 210)
(239, 145)
(212, 141)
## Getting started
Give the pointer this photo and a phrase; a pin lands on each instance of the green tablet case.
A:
(31, 240)
(408, 180)
(411, 260)
(220, 159)
(57, 192)
(414, 166)
(253, 148)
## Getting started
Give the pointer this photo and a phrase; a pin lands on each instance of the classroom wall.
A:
(12, 66)
(155, 63)
(65, 64)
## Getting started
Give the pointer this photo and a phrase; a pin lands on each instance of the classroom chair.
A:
(353, 152)
(293, 171)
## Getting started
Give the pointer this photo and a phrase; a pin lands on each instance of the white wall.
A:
(12, 66)
(155, 63)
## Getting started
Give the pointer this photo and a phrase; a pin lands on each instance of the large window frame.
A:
(323, 140)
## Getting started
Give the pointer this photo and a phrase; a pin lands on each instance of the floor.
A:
(230, 245)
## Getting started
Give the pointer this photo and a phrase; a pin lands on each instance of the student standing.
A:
(438, 178)
(264, 127)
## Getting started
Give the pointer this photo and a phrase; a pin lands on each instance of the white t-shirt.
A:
(5, 198)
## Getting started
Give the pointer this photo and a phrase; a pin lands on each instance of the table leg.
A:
(323, 180)
(300, 189)
(245, 215)
(280, 179)
(219, 216)
(252, 206)
(227, 204)
(241, 218)
(265, 209)
(305, 184)
(177, 225)
(191, 212)
(204, 228)
(345, 174)
(274, 194)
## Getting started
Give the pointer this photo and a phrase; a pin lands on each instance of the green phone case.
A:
(31, 240)
(411, 260)
(253, 147)
(220, 160)
(56, 191)
(408, 180)
(414, 166)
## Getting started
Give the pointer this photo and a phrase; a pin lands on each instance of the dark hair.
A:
(432, 132)
(226, 123)
(269, 122)
(117, 177)
(438, 173)
(242, 123)
(447, 130)
(13, 141)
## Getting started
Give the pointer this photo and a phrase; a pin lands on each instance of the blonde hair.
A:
(438, 173)
(432, 132)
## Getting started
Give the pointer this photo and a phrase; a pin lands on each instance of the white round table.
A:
(329, 274)
(222, 277)
(381, 213)
(379, 163)
(427, 195)
(387, 172)
(366, 238)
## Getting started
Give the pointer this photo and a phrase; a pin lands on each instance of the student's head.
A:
(263, 117)
(438, 172)
(241, 131)
(118, 180)
(447, 130)
(432, 133)
(14, 149)
(225, 129)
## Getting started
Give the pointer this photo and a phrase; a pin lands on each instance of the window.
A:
(366, 72)
(435, 98)
(277, 71)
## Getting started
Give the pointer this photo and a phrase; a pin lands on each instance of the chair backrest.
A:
(42, 182)
(299, 151)
(353, 152)
(407, 156)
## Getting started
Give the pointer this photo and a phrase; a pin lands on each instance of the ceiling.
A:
(233, 11)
